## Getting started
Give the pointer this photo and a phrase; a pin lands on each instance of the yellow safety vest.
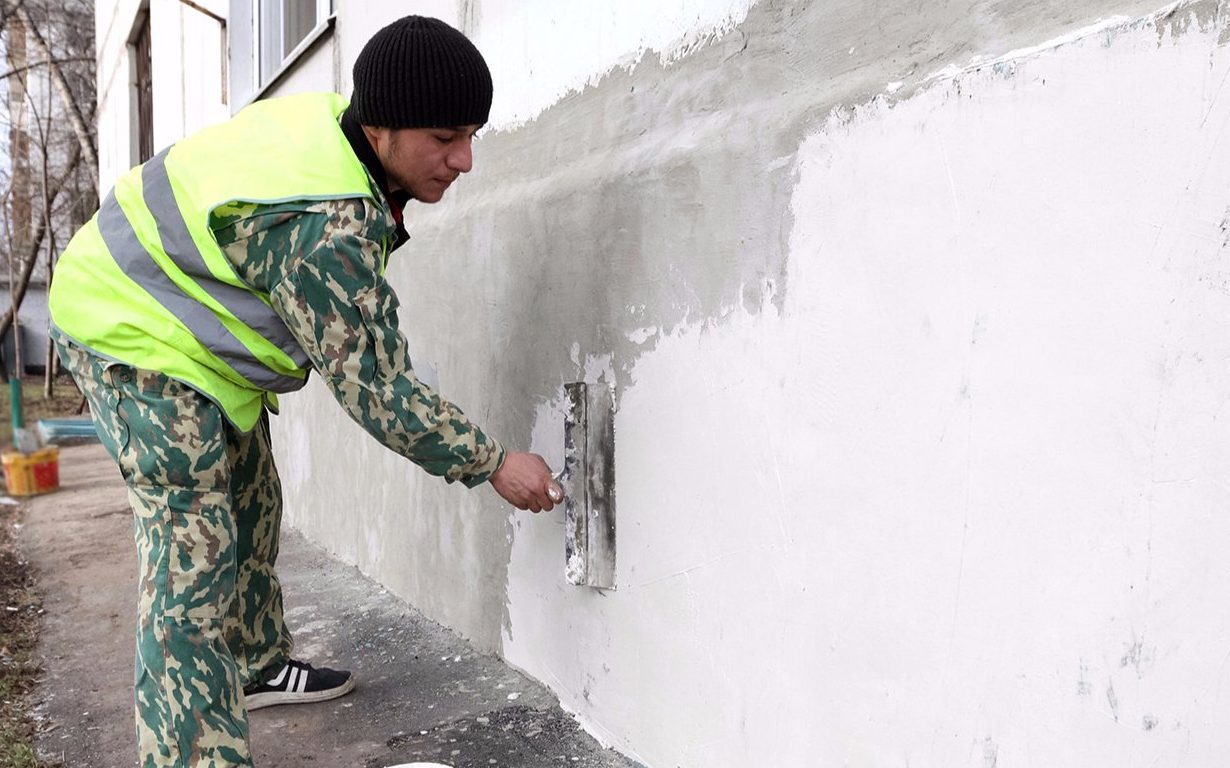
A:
(145, 283)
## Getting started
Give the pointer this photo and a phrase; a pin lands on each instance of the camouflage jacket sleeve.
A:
(322, 269)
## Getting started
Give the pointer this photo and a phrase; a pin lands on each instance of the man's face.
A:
(423, 161)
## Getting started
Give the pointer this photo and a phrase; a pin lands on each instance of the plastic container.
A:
(29, 474)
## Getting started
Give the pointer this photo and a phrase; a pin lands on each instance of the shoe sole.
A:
(276, 698)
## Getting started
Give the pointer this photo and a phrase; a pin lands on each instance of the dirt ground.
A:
(20, 603)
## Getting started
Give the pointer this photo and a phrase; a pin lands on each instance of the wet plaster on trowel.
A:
(652, 208)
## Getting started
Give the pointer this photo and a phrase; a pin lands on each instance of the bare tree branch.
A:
(66, 95)
(36, 64)
(17, 293)
(53, 83)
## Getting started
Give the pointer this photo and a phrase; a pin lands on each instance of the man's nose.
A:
(461, 158)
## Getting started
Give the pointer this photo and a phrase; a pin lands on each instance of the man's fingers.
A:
(525, 481)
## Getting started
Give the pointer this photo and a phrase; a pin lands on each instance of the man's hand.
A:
(524, 480)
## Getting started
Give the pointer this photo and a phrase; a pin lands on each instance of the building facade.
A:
(915, 315)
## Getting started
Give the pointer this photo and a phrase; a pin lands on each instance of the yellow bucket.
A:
(27, 474)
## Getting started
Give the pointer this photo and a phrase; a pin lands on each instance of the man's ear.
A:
(377, 137)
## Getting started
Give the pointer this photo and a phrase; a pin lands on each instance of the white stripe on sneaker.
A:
(275, 682)
(294, 689)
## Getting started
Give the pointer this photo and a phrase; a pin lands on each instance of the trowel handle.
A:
(559, 478)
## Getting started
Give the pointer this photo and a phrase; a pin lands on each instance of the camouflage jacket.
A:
(321, 263)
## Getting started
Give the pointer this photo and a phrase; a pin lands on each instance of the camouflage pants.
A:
(207, 506)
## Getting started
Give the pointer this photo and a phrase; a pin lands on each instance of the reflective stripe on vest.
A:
(146, 283)
(246, 306)
(131, 256)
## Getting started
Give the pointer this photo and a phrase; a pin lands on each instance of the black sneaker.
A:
(299, 683)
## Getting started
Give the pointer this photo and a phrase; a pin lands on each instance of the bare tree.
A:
(85, 136)
(50, 185)
(19, 162)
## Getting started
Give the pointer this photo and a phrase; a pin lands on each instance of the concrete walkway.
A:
(423, 694)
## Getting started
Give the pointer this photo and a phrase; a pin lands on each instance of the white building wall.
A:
(959, 499)
(313, 72)
(188, 71)
(113, 25)
(186, 59)
(917, 321)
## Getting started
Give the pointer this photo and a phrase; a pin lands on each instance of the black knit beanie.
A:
(419, 72)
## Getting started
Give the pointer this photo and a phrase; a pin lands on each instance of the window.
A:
(281, 25)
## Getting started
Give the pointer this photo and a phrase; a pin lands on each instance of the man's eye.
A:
(443, 139)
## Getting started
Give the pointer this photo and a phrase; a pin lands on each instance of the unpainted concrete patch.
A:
(1202, 14)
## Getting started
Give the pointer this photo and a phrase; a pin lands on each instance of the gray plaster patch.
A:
(1202, 14)
(661, 195)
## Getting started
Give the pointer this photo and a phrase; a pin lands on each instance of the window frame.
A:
(140, 57)
(326, 17)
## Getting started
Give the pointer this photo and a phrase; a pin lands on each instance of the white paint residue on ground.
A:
(561, 46)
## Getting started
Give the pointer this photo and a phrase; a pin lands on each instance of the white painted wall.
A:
(188, 73)
(356, 23)
(186, 58)
(940, 483)
(112, 25)
(962, 502)
(542, 50)
(313, 72)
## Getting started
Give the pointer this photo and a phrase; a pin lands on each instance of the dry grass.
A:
(20, 604)
(20, 611)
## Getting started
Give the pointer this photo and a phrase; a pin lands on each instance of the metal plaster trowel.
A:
(588, 480)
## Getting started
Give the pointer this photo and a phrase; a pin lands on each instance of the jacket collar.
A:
(363, 150)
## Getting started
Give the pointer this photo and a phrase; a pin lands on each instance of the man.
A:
(213, 277)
